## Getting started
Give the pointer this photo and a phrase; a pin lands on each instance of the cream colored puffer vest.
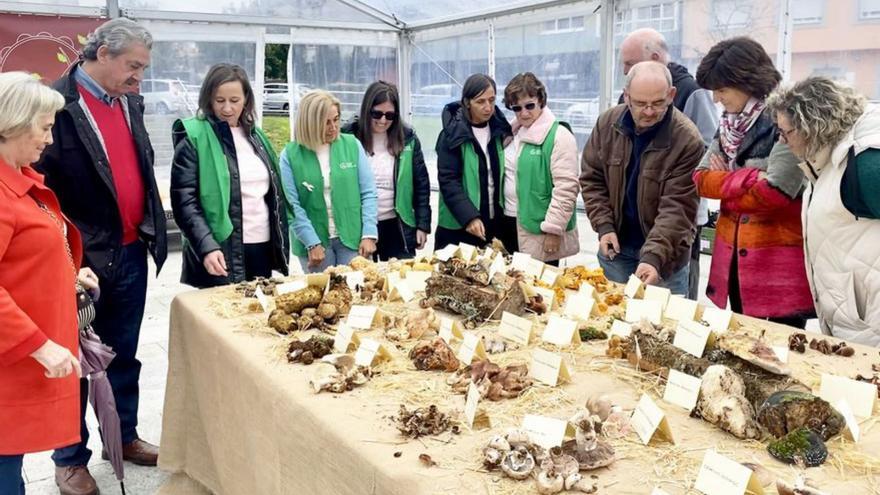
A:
(843, 252)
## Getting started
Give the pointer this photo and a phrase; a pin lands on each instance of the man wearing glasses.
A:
(636, 182)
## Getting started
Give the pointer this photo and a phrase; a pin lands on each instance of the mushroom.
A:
(600, 406)
(324, 376)
(516, 437)
(549, 483)
(498, 442)
(589, 451)
(492, 457)
(518, 463)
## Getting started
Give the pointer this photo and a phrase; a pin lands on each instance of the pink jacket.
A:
(564, 170)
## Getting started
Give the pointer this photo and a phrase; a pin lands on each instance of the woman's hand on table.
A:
(476, 229)
(57, 360)
(215, 263)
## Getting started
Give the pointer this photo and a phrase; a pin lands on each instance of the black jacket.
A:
(450, 166)
(421, 181)
(77, 170)
(191, 219)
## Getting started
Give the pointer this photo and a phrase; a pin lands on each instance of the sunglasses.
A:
(519, 108)
(376, 114)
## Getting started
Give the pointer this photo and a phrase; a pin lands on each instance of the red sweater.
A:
(124, 163)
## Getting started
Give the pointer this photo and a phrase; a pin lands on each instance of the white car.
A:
(277, 97)
(166, 97)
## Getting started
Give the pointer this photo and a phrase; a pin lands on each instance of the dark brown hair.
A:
(740, 63)
(524, 85)
(377, 93)
(473, 87)
(219, 75)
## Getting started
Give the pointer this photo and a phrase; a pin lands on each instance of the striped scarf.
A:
(735, 126)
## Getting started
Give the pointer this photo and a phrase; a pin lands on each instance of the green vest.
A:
(471, 182)
(214, 195)
(403, 191)
(345, 191)
(534, 183)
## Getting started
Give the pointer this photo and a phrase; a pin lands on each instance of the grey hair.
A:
(821, 110)
(652, 67)
(23, 98)
(117, 35)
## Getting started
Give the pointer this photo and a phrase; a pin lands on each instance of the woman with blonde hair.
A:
(837, 135)
(40, 255)
(329, 184)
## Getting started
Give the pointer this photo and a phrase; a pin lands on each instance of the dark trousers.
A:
(258, 260)
(694, 271)
(11, 481)
(443, 236)
(507, 233)
(736, 300)
(396, 240)
(118, 315)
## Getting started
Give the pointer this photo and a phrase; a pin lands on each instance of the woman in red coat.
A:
(40, 252)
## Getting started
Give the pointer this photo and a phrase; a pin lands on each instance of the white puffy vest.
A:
(843, 252)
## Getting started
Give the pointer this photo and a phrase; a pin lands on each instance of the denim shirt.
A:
(301, 225)
(92, 86)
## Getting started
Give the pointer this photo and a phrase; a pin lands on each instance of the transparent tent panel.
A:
(63, 3)
(314, 10)
(418, 10)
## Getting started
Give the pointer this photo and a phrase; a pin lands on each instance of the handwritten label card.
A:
(446, 253)
(403, 291)
(648, 420)
(859, 395)
(621, 328)
(450, 329)
(634, 287)
(682, 389)
(515, 328)
(722, 476)
(466, 251)
(262, 299)
(546, 432)
(691, 337)
(471, 346)
(561, 331)
(550, 274)
(470, 408)
(345, 338)
(548, 367)
(661, 294)
(392, 279)
(418, 280)
(354, 279)
(361, 317)
(292, 286)
(637, 309)
(681, 309)
(548, 295)
(588, 289)
(853, 431)
(719, 320)
(370, 351)
(497, 266)
(579, 305)
(526, 264)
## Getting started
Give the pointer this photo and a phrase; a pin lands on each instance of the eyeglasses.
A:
(654, 105)
(377, 115)
(519, 108)
(784, 135)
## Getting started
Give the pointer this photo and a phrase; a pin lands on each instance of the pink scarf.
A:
(734, 127)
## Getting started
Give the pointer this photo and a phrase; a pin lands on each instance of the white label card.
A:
(691, 337)
(354, 279)
(588, 289)
(548, 295)
(450, 330)
(853, 431)
(546, 432)
(549, 368)
(403, 291)
(446, 253)
(526, 264)
(418, 280)
(370, 351)
(471, 346)
(648, 419)
(859, 395)
(515, 328)
(345, 338)
(262, 299)
(288, 287)
(621, 328)
(661, 294)
(497, 266)
(637, 309)
(466, 251)
(722, 476)
(470, 404)
(392, 279)
(681, 309)
(579, 305)
(361, 317)
(561, 331)
(634, 287)
(550, 274)
(488, 253)
(719, 320)
(682, 389)
(781, 352)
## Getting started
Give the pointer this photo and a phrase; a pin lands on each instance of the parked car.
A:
(277, 96)
(166, 97)
(582, 116)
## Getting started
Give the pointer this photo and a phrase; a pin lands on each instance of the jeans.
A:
(335, 254)
(11, 481)
(118, 315)
(625, 263)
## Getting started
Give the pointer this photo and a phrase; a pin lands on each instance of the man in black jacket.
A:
(643, 45)
(101, 168)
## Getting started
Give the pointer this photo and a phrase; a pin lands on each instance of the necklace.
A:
(63, 228)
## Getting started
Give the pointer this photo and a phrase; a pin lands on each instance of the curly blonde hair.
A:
(821, 110)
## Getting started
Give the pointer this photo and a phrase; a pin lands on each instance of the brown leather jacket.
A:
(667, 196)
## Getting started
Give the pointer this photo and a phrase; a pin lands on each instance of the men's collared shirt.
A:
(85, 80)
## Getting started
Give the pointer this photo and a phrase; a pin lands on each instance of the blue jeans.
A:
(118, 315)
(335, 254)
(625, 263)
(11, 481)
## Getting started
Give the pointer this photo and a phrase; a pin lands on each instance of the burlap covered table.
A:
(239, 420)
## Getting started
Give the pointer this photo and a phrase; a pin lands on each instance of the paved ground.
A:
(153, 352)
